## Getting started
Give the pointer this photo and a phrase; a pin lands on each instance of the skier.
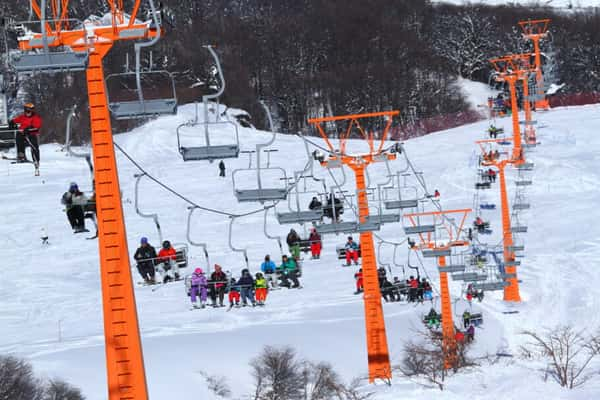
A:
(222, 169)
(479, 224)
(234, 293)
(315, 204)
(218, 285)
(427, 290)
(29, 124)
(289, 271)
(315, 243)
(269, 269)
(293, 242)
(246, 284)
(75, 201)
(470, 333)
(145, 256)
(359, 281)
(351, 251)
(260, 285)
(436, 194)
(167, 259)
(466, 319)
(432, 319)
(199, 287)
(413, 285)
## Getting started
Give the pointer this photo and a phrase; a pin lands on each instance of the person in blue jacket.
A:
(268, 268)
(246, 284)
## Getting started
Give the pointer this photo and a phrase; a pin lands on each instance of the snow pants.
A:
(234, 297)
(351, 254)
(146, 270)
(359, 284)
(295, 251)
(247, 295)
(261, 294)
(315, 249)
(24, 139)
(75, 216)
(271, 277)
(168, 269)
(198, 290)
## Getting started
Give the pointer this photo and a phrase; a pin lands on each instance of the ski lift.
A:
(523, 183)
(526, 166)
(47, 56)
(135, 102)
(208, 151)
(518, 229)
(230, 242)
(489, 286)
(417, 227)
(203, 246)
(407, 196)
(468, 277)
(297, 216)
(430, 253)
(277, 238)
(262, 194)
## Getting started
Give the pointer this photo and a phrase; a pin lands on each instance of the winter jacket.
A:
(29, 124)
(351, 246)
(145, 255)
(245, 281)
(292, 239)
(233, 286)
(165, 254)
(314, 237)
(413, 283)
(315, 205)
(219, 279)
(260, 283)
(71, 199)
(268, 267)
(199, 280)
(288, 266)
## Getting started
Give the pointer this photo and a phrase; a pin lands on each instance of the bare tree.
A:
(17, 381)
(568, 353)
(217, 384)
(58, 389)
(277, 375)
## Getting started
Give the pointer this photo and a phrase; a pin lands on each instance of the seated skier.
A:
(74, 202)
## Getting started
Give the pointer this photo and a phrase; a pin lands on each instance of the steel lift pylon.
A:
(536, 30)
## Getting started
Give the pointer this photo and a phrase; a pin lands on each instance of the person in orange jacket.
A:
(167, 257)
(28, 124)
(359, 281)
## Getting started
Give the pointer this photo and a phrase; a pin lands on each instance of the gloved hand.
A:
(27, 130)
(12, 124)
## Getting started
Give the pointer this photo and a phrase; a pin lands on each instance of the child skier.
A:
(260, 286)
(199, 286)
(359, 281)
(234, 293)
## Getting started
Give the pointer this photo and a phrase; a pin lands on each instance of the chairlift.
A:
(483, 185)
(203, 246)
(407, 196)
(135, 102)
(277, 238)
(453, 268)
(298, 216)
(515, 248)
(430, 253)
(523, 183)
(209, 151)
(262, 194)
(230, 241)
(45, 58)
(518, 229)
(468, 277)
(489, 286)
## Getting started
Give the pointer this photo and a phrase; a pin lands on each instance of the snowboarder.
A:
(29, 124)
(145, 256)
(359, 281)
(269, 269)
(75, 201)
(289, 271)
(199, 287)
(260, 286)
(222, 169)
(234, 293)
(246, 284)
(293, 242)
(218, 285)
(315, 243)
(167, 263)
(351, 251)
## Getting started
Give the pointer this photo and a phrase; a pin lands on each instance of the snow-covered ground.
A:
(50, 295)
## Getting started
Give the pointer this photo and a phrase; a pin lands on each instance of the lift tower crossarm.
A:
(536, 30)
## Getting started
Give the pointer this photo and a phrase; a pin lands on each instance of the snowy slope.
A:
(50, 295)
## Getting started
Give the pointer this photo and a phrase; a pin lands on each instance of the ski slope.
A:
(50, 294)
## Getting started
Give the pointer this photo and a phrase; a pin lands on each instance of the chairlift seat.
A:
(525, 122)
(299, 217)
(181, 255)
(145, 109)
(512, 263)
(50, 61)
(411, 230)
(476, 319)
(383, 218)
(7, 137)
(452, 268)
(523, 183)
(437, 253)
(483, 185)
(515, 248)
(340, 227)
(468, 276)
(505, 143)
(340, 250)
(509, 276)
(487, 206)
(218, 152)
(368, 226)
(525, 166)
(396, 204)
(518, 229)
(261, 194)
(489, 286)
(521, 206)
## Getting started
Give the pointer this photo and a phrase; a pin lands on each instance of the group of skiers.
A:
(165, 262)
(333, 209)
(248, 289)
(412, 289)
(295, 243)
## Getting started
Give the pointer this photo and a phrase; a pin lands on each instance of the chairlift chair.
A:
(452, 268)
(430, 253)
(489, 286)
(44, 58)
(298, 216)
(402, 198)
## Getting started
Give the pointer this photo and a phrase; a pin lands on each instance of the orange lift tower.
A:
(377, 348)
(536, 30)
(432, 246)
(509, 71)
(511, 292)
(63, 45)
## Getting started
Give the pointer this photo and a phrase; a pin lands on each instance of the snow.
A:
(476, 94)
(50, 295)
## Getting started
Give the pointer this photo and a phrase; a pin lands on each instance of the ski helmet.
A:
(198, 270)
(28, 107)
(73, 186)
(166, 244)
(144, 240)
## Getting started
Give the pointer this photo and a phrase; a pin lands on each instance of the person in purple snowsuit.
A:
(199, 287)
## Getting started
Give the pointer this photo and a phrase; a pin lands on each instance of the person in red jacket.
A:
(29, 124)
(359, 281)
(168, 268)
(315, 243)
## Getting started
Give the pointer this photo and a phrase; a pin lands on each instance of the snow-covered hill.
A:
(50, 295)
